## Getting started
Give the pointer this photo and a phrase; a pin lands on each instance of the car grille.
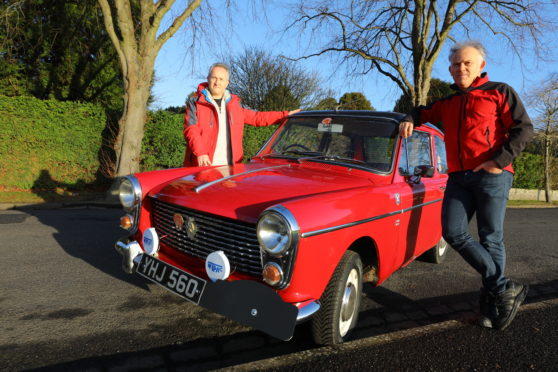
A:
(237, 239)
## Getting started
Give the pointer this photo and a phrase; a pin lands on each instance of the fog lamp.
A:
(272, 273)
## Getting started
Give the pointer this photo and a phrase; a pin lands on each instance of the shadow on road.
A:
(221, 352)
(88, 234)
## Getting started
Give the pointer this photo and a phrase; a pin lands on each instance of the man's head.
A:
(218, 79)
(467, 60)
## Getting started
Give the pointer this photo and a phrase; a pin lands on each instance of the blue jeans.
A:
(486, 194)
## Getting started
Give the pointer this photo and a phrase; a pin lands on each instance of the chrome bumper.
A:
(131, 254)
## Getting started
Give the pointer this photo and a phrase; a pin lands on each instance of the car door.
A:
(421, 197)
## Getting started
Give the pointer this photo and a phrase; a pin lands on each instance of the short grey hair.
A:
(468, 44)
(218, 64)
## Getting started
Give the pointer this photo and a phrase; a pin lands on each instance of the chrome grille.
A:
(237, 239)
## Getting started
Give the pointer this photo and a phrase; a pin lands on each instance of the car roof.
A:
(361, 114)
(354, 113)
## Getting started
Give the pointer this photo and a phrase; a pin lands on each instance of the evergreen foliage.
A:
(529, 172)
(328, 103)
(438, 89)
(354, 101)
(58, 49)
(46, 144)
(163, 144)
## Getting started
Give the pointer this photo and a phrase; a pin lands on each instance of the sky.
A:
(178, 71)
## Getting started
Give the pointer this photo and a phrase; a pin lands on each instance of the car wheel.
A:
(437, 254)
(340, 302)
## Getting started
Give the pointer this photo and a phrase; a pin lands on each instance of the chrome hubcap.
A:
(442, 246)
(348, 303)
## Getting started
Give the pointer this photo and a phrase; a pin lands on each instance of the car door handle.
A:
(443, 188)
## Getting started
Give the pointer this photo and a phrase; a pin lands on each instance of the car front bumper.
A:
(248, 302)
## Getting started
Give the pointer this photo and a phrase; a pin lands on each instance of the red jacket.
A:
(485, 122)
(201, 125)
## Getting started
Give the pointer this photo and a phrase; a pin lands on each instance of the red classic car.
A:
(334, 198)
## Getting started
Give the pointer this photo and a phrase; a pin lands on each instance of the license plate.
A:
(186, 285)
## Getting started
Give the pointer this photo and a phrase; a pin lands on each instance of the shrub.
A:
(529, 171)
(47, 143)
(254, 139)
(163, 144)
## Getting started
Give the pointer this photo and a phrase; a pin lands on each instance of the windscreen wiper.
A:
(294, 152)
(340, 158)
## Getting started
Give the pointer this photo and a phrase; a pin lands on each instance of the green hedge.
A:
(47, 143)
(529, 172)
(254, 139)
(163, 143)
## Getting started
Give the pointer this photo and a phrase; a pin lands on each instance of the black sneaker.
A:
(507, 303)
(487, 307)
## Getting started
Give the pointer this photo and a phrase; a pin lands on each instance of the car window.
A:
(368, 142)
(415, 151)
(441, 162)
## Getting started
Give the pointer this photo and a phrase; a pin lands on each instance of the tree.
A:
(328, 103)
(402, 39)
(256, 73)
(544, 101)
(280, 98)
(57, 49)
(438, 89)
(133, 27)
(354, 101)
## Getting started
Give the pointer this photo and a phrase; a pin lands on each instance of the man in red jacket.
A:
(214, 122)
(486, 127)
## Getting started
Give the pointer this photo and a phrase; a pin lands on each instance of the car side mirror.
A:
(422, 171)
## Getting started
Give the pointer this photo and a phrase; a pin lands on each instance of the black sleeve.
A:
(521, 132)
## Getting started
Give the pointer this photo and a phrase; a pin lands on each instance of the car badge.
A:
(397, 198)
(178, 221)
(327, 121)
(191, 228)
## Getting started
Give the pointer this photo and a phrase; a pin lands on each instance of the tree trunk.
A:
(547, 190)
(132, 122)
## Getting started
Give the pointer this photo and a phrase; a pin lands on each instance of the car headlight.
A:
(129, 192)
(274, 233)
(278, 234)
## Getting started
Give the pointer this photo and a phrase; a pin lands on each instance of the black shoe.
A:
(507, 303)
(488, 310)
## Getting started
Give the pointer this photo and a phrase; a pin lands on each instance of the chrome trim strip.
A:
(351, 224)
(209, 184)
(304, 313)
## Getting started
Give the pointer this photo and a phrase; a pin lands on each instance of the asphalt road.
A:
(65, 304)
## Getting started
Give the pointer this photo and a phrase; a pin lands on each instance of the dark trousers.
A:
(486, 195)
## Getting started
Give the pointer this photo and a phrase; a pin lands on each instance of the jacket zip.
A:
(459, 124)
(488, 138)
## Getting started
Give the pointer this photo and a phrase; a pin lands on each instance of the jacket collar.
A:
(480, 80)
(204, 91)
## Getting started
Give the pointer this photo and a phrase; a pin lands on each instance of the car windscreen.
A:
(365, 142)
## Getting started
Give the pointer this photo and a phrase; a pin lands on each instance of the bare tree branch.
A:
(405, 37)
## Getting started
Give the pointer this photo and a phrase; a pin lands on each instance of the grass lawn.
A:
(55, 196)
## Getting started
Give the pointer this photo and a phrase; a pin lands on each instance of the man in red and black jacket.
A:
(486, 127)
